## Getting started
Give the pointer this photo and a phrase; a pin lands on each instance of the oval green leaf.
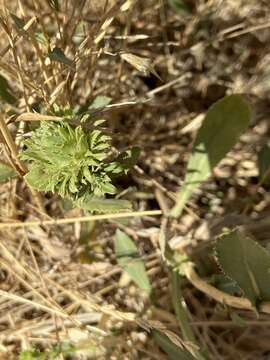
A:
(128, 258)
(247, 263)
(225, 121)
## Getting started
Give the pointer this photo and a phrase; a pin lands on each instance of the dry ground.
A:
(61, 283)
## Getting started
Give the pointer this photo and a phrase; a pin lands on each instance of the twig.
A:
(80, 219)
(22, 300)
(12, 146)
(247, 30)
(169, 84)
(22, 168)
(18, 36)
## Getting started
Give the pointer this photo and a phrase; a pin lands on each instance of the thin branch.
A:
(22, 300)
(12, 146)
(246, 31)
(28, 116)
(22, 168)
(80, 219)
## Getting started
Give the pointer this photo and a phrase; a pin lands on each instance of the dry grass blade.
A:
(80, 219)
(144, 65)
(38, 117)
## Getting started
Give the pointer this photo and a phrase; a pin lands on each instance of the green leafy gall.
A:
(75, 164)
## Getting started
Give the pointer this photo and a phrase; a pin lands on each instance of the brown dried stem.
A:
(18, 164)
(218, 295)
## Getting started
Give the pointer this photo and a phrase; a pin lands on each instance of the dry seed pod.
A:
(140, 63)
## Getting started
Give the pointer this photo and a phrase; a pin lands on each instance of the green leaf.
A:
(128, 258)
(237, 319)
(125, 161)
(101, 205)
(100, 102)
(54, 4)
(225, 121)
(173, 351)
(59, 349)
(6, 92)
(224, 284)
(36, 179)
(32, 355)
(181, 6)
(264, 164)
(6, 172)
(58, 55)
(41, 38)
(247, 263)
(129, 158)
(79, 32)
(20, 23)
(180, 309)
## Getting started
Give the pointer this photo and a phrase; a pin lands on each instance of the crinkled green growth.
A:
(74, 163)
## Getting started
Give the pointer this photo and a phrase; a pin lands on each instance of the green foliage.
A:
(224, 284)
(41, 38)
(92, 203)
(237, 319)
(75, 164)
(19, 23)
(225, 121)
(124, 161)
(180, 309)
(128, 258)
(6, 92)
(247, 263)
(59, 349)
(100, 102)
(181, 6)
(264, 164)
(31, 355)
(58, 55)
(54, 4)
(66, 112)
(6, 172)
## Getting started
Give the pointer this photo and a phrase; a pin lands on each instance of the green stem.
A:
(180, 308)
(182, 313)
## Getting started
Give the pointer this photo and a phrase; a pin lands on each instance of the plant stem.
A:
(80, 219)
(19, 165)
(12, 147)
(180, 308)
(182, 313)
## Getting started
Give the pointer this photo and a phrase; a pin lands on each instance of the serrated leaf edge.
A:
(220, 266)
